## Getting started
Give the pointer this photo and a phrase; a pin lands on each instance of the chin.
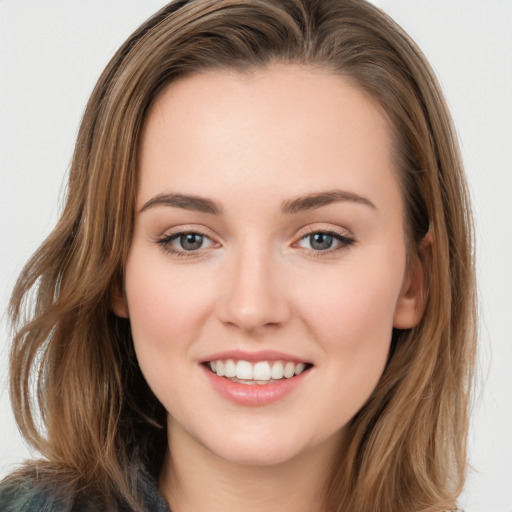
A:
(256, 456)
(263, 448)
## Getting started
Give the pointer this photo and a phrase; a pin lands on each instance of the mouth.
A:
(257, 372)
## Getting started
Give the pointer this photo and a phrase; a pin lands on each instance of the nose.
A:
(253, 296)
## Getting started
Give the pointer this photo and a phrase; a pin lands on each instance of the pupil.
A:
(191, 241)
(321, 241)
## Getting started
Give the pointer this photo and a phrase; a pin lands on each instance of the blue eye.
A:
(185, 242)
(323, 241)
(190, 241)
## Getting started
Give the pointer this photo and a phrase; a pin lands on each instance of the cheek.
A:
(167, 312)
(350, 317)
(166, 309)
(345, 305)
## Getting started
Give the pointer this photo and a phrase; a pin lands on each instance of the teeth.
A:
(289, 370)
(261, 372)
(244, 370)
(277, 370)
(230, 368)
(299, 368)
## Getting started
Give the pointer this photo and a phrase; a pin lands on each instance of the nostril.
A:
(253, 299)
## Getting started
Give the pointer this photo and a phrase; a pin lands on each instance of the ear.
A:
(410, 304)
(119, 304)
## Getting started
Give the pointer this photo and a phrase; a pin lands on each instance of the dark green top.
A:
(33, 494)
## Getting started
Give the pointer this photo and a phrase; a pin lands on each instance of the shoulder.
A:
(41, 487)
(33, 490)
(24, 495)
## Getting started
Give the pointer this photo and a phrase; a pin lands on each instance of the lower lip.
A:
(253, 394)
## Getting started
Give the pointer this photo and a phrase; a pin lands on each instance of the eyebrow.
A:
(291, 206)
(319, 199)
(186, 202)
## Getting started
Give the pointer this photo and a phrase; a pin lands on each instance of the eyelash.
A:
(165, 243)
(344, 241)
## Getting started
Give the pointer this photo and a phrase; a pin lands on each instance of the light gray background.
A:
(51, 54)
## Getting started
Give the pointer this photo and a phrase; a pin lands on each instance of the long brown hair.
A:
(72, 361)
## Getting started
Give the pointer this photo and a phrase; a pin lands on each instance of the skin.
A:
(251, 142)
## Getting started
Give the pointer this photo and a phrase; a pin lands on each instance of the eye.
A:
(324, 241)
(190, 241)
(187, 242)
(320, 241)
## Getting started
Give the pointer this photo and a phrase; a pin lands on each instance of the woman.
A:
(260, 292)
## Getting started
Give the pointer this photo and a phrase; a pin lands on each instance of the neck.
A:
(194, 479)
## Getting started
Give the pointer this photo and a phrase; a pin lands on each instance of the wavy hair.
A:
(78, 394)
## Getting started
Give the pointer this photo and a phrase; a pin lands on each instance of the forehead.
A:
(291, 128)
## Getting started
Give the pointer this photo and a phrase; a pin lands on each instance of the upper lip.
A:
(261, 355)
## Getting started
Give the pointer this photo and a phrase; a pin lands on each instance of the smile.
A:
(258, 372)
(255, 378)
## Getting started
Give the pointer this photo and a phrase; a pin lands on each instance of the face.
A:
(268, 263)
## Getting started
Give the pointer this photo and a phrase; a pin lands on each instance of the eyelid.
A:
(343, 236)
(337, 231)
(164, 240)
(324, 228)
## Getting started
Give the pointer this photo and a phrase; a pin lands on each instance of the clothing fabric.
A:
(33, 494)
